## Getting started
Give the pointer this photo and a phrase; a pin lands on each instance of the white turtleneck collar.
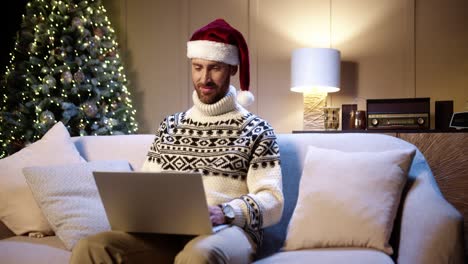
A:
(226, 107)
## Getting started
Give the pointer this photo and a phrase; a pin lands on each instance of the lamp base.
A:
(314, 102)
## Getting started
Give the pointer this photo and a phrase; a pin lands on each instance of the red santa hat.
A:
(218, 41)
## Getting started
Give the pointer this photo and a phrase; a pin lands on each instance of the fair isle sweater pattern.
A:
(223, 148)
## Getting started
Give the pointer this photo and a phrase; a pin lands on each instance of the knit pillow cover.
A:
(69, 199)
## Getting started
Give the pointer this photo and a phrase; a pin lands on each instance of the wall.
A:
(390, 49)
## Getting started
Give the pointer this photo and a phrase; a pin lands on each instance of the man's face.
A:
(211, 79)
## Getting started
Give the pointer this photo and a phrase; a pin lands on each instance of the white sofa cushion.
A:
(18, 209)
(69, 198)
(23, 249)
(329, 256)
(133, 148)
(348, 199)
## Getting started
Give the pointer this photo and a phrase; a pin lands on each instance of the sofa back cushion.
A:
(293, 149)
(132, 148)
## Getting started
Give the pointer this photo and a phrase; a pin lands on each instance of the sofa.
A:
(425, 229)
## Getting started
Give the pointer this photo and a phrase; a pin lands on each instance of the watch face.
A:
(229, 212)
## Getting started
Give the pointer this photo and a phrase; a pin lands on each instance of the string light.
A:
(98, 82)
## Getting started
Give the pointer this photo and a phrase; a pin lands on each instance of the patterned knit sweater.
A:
(235, 151)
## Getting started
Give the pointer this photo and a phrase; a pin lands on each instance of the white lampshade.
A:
(315, 70)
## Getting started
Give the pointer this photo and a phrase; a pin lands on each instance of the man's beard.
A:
(213, 86)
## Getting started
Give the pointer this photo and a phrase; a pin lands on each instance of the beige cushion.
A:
(348, 199)
(23, 249)
(18, 209)
(69, 198)
(329, 256)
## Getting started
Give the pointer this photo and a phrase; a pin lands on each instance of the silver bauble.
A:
(90, 109)
(47, 117)
(66, 77)
(79, 76)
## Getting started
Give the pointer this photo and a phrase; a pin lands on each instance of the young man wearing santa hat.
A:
(235, 150)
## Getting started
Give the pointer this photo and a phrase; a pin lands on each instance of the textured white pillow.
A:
(348, 199)
(69, 198)
(18, 210)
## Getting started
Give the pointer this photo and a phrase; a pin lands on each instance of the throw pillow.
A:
(348, 199)
(18, 210)
(69, 198)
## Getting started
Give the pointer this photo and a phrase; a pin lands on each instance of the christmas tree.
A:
(65, 67)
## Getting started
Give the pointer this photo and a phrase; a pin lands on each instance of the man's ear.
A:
(233, 69)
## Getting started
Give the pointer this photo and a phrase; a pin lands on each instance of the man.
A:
(235, 151)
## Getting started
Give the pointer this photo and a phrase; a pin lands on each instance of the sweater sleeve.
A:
(263, 205)
(151, 162)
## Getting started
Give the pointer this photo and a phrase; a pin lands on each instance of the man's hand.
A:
(216, 215)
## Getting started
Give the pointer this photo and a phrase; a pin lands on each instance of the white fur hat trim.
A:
(214, 51)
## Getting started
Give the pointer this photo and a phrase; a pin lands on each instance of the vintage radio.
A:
(407, 113)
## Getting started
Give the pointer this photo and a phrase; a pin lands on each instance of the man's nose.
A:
(206, 76)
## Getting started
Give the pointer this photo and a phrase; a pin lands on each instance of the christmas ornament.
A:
(66, 77)
(79, 76)
(89, 108)
(47, 117)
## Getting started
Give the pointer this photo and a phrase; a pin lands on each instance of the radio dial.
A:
(374, 121)
(421, 121)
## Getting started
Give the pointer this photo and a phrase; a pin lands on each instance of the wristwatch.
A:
(228, 212)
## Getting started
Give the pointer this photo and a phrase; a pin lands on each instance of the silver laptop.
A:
(151, 202)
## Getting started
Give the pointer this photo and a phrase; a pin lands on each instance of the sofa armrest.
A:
(431, 229)
(5, 232)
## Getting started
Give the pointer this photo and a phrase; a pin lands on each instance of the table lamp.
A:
(315, 72)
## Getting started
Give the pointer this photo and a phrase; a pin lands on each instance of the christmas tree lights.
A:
(65, 67)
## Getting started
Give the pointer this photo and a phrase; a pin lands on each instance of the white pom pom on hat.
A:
(245, 98)
(219, 41)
